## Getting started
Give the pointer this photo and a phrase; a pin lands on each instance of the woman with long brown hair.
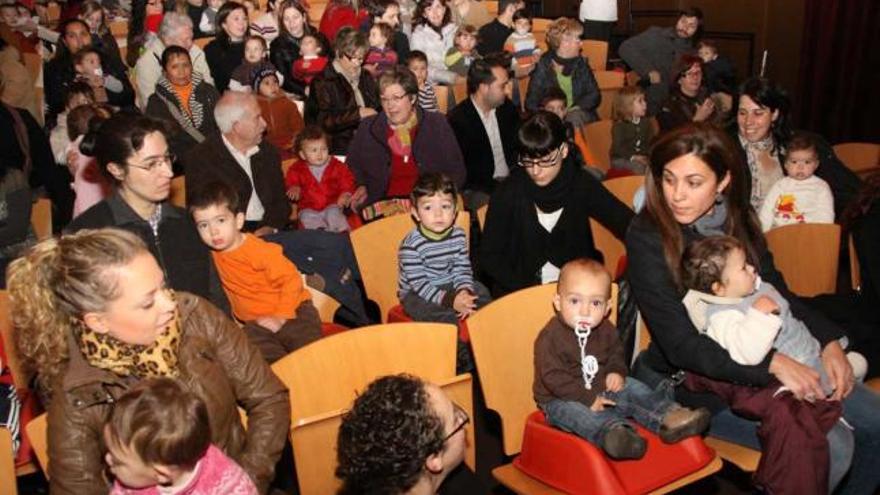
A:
(697, 186)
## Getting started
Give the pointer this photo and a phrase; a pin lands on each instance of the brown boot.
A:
(622, 442)
(682, 422)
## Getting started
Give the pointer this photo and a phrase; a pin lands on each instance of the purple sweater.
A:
(434, 148)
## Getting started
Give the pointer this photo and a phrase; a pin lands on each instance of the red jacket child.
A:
(314, 195)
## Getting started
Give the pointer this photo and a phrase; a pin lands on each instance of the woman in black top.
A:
(226, 52)
(698, 186)
(284, 50)
(538, 218)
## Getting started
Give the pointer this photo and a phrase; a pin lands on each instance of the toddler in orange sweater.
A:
(265, 288)
(283, 120)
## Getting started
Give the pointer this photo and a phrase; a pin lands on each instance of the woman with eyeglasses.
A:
(344, 93)
(94, 316)
(391, 149)
(689, 99)
(538, 218)
(132, 153)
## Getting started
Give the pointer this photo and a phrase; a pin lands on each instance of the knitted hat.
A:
(261, 74)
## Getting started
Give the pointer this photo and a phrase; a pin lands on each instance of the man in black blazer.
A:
(239, 157)
(485, 126)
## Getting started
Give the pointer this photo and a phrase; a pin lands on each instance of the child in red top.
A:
(311, 62)
(321, 185)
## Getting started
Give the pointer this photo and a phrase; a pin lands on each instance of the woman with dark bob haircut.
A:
(698, 186)
(538, 218)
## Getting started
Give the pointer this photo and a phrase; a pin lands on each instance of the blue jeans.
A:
(647, 407)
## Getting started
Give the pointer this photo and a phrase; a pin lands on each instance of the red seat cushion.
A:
(398, 315)
(328, 329)
(571, 464)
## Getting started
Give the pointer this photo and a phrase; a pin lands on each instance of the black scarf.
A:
(554, 195)
(566, 63)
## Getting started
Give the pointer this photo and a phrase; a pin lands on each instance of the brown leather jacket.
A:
(216, 362)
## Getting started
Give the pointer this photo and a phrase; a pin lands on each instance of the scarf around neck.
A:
(712, 223)
(556, 194)
(400, 140)
(566, 63)
(160, 359)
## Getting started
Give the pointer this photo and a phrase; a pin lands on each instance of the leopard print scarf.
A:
(160, 359)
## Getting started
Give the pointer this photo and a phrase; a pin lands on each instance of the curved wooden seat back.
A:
(326, 374)
(375, 247)
(612, 248)
(598, 137)
(7, 464)
(316, 438)
(503, 336)
(807, 256)
(861, 158)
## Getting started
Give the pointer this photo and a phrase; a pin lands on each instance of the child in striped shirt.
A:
(417, 62)
(435, 281)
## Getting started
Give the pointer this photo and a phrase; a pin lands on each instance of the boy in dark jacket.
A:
(580, 373)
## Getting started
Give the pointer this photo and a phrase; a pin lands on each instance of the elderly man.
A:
(175, 30)
(402, 436)
(653, 53)
(239, 157)
(485, 126)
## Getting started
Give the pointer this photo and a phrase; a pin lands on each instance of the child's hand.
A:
(464, 303)
(601, 403)
(614, 382)
(359, 196)
(293, 193)
(766, 305)
(272, 323)
(344, 200)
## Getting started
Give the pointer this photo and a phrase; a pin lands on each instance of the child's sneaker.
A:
(682, 422)
(622, 442)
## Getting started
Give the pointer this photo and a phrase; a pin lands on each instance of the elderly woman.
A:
(226, 52)
(762, 130)
(183, 101)
(94, 317)
(132, 153)
(689, 99)
(538, 219)
(344, 93)
(175, 30)
(698, 186)
(391, 149)
(284, 50)
(563, 67)
(434, 34)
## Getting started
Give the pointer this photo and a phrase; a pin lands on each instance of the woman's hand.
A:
(802, 380)
(464, 303)
(839, 371)
(614, 382)
(601, 403)
(704, 110)
(359, 196)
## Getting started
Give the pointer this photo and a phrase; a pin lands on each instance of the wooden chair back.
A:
(34, 64)
(855, 274)
(481, 216)
(807, 256)
(7, 464)
(442, 94)
(41, 218)
(523, 87)
(598, 136)
(375, 247)
(861, 158)
(596, 53)
(610, 83)
(119, 28)
(491, 7)
(326, 374)
(503, 336)
(37, 434)
(316, 11)
(612, 248)
(459, 92)
(177, 197)
(317, 435)
(325, 304)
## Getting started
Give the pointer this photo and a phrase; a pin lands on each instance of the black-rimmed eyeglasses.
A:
(546, 162)
(461, 417)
